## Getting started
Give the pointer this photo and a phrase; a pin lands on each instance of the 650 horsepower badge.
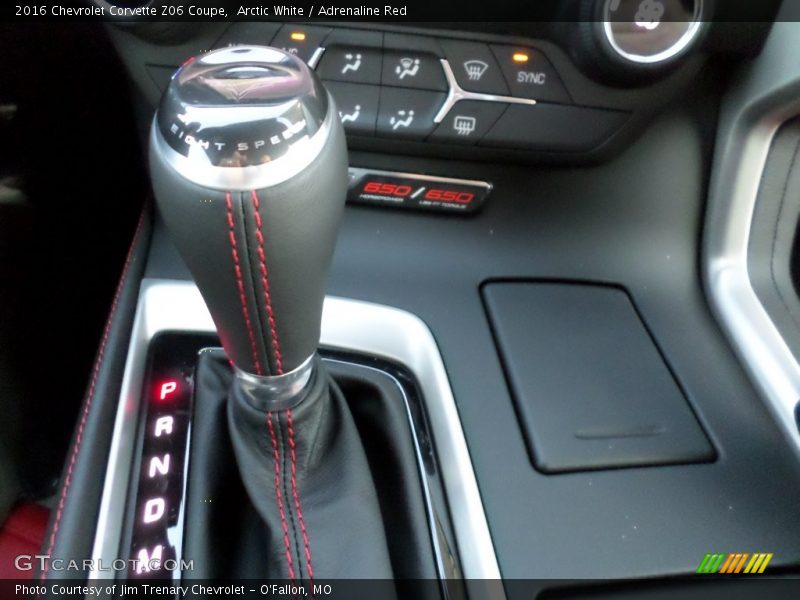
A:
(421, 192)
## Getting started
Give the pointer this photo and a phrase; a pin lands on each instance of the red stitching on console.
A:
(240, 283)
(90, 397)
(265, 284)
(279, 496)
(296, 495)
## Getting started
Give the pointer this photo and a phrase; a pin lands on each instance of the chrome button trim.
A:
(456, 93)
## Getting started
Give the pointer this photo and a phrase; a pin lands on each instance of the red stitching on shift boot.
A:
(262, 257)
(296, 495)
(240, 283)
(89, 398)
(279, 496)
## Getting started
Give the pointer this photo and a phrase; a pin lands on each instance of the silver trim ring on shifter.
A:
(276, 392)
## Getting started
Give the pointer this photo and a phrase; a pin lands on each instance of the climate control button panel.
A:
(445, 91)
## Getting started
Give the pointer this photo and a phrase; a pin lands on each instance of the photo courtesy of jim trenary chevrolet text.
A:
(400, 299)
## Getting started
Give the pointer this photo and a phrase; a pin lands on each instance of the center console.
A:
(153, 423)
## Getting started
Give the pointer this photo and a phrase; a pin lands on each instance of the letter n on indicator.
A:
(158, 465)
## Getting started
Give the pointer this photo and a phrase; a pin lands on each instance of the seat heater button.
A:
(407, 114)
(357, 105)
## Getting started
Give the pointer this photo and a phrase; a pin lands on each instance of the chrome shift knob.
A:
(249, 169)
(242, 118)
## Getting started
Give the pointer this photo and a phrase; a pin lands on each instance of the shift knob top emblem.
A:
(242, 117)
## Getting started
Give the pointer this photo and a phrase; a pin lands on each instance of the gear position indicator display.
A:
(420, 192)
(155, 525)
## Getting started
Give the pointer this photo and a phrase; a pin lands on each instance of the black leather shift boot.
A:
(327, 490)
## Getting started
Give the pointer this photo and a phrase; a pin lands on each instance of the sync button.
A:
(530, 75)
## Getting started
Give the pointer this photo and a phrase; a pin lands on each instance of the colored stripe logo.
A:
(735, 563)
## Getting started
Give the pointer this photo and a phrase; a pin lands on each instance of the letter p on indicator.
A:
(167, 388)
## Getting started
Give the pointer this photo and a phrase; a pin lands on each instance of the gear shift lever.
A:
(249, 168)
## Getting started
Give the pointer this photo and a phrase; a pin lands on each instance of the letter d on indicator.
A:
(153, 510)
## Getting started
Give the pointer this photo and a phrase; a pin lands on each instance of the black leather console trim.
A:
(70, 531)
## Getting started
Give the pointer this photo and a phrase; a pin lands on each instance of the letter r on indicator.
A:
(163, 425)
(167, 388)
